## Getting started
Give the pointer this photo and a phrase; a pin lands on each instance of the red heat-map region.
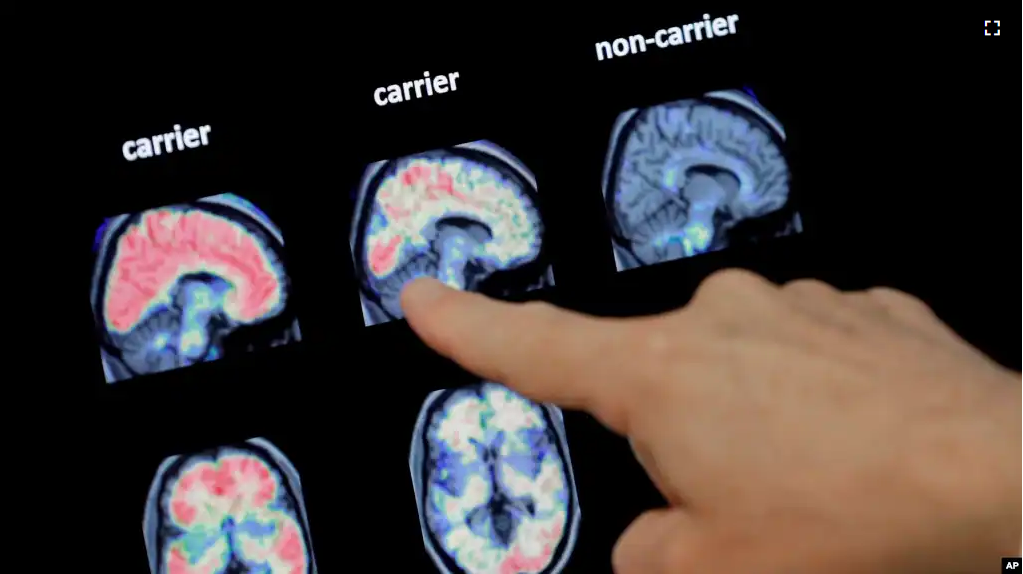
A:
(410, 191)
(233, 484)
(165, 244)
(519, 561)
(242, 480)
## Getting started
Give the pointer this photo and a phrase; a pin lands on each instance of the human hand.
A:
(791, 429)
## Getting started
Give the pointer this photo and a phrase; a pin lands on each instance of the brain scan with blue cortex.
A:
(466, 215)
(694, 176)
(493, 482)
(226, 510)
(189, 283)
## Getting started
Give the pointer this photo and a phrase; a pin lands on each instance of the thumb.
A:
(677, 541)
(658, 542)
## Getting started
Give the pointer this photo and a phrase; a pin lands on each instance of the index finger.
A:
(545, 353)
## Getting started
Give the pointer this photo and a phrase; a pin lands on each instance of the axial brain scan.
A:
(694, 176)
(493, 482)
(188, 283)
(227, 510)
(467, 215)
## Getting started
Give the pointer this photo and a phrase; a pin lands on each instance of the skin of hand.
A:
(793, 429)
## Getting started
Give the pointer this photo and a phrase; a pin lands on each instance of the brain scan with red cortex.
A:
(189, 283)
(468, 216)
(236, 509)
(493, 482)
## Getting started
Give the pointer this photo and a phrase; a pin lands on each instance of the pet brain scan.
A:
(188, 283)
(493, 482)
(694, 176)
(467, 215)
(226, 510)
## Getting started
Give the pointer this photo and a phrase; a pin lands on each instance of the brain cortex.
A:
(232, 510)
(172, 283)
(694, 176)
(494, 483)
(466, 216)
(414, 199)
(166, 244)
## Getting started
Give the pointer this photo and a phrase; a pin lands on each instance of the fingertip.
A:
(421, 294)
(545, 353)
(443, 317)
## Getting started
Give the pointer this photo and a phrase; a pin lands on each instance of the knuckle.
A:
(658, 343)
(900, 299)
(889, 292)
(537, 307)
(729, 280)
(665, 342)
(538, 313)
(809, 285)
(736, 278)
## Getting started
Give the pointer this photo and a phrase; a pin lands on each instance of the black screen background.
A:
(870, 154)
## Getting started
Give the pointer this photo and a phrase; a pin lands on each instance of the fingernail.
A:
(423, 291)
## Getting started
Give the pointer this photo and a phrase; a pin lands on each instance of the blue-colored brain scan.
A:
(493, 482)
(694, 176)
(189, 283)
(467, 215)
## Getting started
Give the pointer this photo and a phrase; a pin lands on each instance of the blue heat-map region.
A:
(500, 496)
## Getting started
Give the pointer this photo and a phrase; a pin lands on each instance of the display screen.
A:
(261, 405)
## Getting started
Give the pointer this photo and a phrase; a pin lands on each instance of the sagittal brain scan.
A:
(467, 215)
(694, 176)
(228, 510)
(189, 283)
(493, 482)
